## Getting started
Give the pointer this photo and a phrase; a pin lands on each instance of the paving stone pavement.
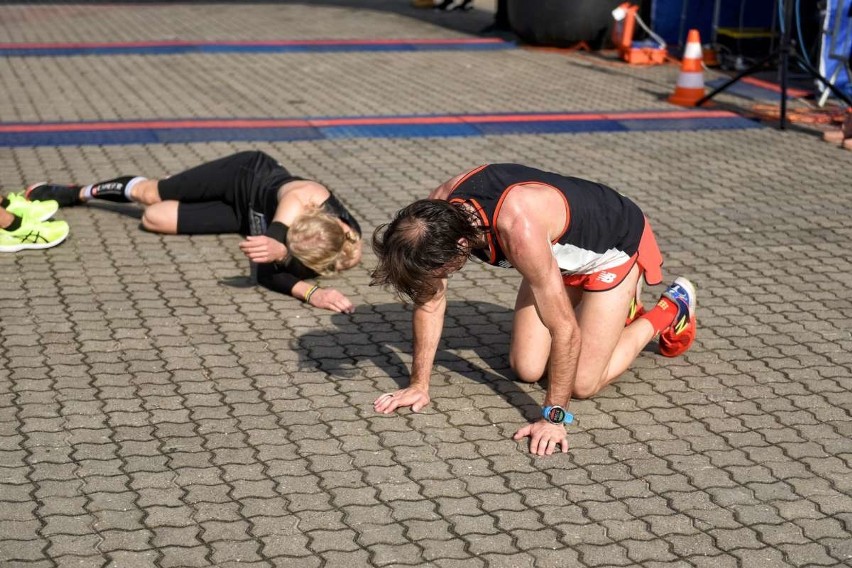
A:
(157, 411)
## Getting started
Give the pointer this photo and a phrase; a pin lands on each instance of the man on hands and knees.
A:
(582, 250)
(295, 229)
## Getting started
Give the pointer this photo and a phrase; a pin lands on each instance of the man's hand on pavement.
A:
(544, 437)
(413, 397)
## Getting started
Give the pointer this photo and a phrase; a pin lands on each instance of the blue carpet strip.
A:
(420, 126)
(306, 46)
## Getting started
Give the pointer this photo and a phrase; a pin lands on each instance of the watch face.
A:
(556, 415)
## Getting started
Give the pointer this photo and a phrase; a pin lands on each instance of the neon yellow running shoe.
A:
(35, 211)
(31, 235)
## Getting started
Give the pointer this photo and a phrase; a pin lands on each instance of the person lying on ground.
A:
(296, 229)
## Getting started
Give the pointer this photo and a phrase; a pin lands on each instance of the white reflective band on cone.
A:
(693, 51)
(691, 80)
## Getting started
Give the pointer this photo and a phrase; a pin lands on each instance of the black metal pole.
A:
(784, 60)
(785, 52)
(750, 71)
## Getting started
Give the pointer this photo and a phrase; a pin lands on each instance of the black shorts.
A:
(216, 197)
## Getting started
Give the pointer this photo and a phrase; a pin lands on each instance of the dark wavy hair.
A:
(420, 240)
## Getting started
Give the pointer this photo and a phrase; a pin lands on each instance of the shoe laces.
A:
(32, 235)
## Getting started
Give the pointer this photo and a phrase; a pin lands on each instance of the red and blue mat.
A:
(274, 46)
(318, 128)
(178, 130)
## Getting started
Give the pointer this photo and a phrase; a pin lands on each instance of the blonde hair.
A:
(321, 244)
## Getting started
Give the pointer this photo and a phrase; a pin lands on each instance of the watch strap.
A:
(557, 415)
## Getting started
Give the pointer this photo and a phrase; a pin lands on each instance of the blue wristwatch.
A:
(557, 415)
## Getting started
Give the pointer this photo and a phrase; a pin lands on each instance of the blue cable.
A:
(802, 49)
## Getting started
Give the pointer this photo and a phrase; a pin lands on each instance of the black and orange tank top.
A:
(604, 228)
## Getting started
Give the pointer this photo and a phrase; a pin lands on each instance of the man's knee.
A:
(584, 391)
(527, 371)
(585, 387)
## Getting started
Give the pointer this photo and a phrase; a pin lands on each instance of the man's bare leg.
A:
(608, 346)
(530, 343)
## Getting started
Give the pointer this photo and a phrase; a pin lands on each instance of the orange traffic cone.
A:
(690, 83)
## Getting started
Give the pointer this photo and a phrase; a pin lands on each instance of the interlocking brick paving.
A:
(156, 410)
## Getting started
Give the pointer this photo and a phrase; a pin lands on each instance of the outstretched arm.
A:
(427, 323)
(286, 283)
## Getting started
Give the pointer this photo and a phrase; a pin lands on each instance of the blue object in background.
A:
(837, 45)
(672, 19)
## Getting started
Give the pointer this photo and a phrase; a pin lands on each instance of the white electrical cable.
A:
(656, 38)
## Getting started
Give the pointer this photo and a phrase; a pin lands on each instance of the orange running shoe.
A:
(678, 337)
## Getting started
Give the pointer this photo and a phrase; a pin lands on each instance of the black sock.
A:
(14, 225)
(110, 190)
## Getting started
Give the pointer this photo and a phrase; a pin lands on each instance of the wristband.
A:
(278, 231)
(310, 293)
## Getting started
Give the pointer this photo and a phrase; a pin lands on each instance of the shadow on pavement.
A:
(379, 333)
(127, 209)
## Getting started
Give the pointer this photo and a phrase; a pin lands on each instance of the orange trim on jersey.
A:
(567, 215)
(491, 229)
(513, 186)
(480, 212)
(497, 212)
(466, 176)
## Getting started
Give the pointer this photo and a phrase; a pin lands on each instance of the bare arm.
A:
(527, 245)
(294, 197)
(428, 324)
(541, 272)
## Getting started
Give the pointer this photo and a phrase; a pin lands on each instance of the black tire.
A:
(561, 23)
